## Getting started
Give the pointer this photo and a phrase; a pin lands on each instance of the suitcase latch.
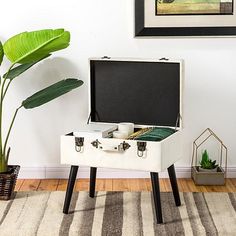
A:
(79, 143)
(141, 148)
(125, 146)
(95, 143)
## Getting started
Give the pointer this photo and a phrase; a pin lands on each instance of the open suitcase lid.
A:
(141, 91)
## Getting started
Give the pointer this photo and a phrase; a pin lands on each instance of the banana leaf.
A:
(13, 73)
(51, 92)
(1, 53)
(28, 47)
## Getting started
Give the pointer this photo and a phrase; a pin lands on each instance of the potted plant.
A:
(25, 50)
(208, 173)
(206, 164)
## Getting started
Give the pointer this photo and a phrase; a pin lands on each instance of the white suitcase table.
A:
(145, 92)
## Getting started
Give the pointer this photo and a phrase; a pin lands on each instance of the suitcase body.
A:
(106, 107)
(109, 153)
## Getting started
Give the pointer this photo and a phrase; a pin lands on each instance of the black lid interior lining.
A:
(141, 92)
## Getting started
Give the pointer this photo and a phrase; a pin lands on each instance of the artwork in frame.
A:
(194, 7)
(185, 18)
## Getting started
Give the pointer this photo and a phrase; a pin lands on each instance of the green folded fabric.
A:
(156, 134)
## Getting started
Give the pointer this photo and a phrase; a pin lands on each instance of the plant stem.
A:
(4, 93)
(2, 156)
(3, 166)
(9, 130)
(8, 154)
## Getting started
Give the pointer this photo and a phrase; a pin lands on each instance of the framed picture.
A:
(185, 18)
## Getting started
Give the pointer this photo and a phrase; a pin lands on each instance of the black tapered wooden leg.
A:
(156, 196)
(70, 187)
(93, 173)
(174, 184)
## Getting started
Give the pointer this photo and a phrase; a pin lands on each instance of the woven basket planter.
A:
(8, 182)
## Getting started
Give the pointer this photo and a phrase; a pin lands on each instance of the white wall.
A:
(100, 28)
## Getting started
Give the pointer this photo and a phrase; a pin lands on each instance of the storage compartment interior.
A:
(152, 134)
(155, 134)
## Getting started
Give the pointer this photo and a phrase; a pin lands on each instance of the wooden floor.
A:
(185, 185)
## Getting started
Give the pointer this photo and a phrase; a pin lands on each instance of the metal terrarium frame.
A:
(222, 148)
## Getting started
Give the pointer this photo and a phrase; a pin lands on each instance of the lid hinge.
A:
(106, 57)
(164, 59)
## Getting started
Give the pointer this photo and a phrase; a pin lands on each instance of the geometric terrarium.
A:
(209, 159)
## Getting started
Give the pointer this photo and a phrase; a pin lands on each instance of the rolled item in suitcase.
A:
(155, 134)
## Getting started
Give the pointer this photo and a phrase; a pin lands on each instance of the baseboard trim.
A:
(62, 172)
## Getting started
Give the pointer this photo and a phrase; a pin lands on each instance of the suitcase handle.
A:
(111, 148)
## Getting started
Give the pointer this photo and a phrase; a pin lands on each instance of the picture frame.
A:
(147, 23)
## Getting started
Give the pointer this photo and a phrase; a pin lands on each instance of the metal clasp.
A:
(95, 143)
(124, 146)
(79, 143)
(141, 148)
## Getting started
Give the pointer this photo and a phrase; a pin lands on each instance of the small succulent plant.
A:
(206, 162)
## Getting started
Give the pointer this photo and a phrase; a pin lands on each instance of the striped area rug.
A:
(117, 213)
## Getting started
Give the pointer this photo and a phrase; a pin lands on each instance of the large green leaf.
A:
(51, 92)
(29, 47)
(13, 73)
(1, 53)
